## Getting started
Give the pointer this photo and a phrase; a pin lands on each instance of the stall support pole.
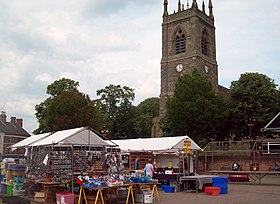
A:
(80, 195)
(179, 161)
(205, 162)
(72, 168)
(129, 192)
(184, 169)
(212, 161)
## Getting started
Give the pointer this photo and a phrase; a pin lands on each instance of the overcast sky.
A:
(102, 42)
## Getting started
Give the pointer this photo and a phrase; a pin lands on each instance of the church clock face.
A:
(206, 69)
(179, 67)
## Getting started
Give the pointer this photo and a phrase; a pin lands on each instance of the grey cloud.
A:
(108, 8)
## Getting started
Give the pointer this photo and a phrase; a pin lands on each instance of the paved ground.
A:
(238, 193)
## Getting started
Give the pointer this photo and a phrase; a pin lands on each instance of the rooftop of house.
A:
(14, 127)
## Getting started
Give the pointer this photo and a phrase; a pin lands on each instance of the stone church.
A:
(188, 43)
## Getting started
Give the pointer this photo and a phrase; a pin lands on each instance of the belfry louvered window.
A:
(204, 43)
(180, 41)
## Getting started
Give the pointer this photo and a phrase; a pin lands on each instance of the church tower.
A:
(188, 43)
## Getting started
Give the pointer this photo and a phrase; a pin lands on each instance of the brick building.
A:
(10, 132)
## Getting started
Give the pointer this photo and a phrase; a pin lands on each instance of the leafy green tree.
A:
(115, 102)
(145, 112)
(195, 109)
(62, 85)
(66, 108)
(254, 97)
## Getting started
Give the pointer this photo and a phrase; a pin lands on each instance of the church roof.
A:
(223, 91)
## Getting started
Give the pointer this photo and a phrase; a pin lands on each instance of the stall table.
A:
(255, 175)
(175, 177)
(46, 187)
(99, 194)
(198, 182)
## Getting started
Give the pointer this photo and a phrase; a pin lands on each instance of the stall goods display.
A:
(97, 182)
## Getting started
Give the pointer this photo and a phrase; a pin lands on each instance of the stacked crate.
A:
(6, 177)
(18, 172)
(3, 183)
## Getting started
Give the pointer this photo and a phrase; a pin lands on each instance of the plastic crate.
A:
(18, 173)
(18, 192)
(213, 191)
(219, 180)
(168, 189)
(79, 181)
(65, 198)
(18, 179)
(18, 186)
(18, 168)
(9, 190)
(224, 190)
(3, 188)
(221, 183)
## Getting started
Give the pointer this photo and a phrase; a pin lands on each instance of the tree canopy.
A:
(66, 108)
(115, 102)
(194, 109)
(255, 98)
(145, 112)
(62, 85)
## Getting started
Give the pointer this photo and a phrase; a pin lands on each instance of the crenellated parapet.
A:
(184, 12)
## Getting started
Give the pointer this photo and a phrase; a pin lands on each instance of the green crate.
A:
(9, 190)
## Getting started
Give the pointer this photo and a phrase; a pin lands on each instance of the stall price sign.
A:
(187, 147)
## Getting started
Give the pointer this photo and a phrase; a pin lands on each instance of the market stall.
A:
(54, 160)
(59, 163)
(168, 154)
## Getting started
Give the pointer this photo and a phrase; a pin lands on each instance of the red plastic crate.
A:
(79, 181)
(213, 191)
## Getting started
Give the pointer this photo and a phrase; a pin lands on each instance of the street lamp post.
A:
(250, 123)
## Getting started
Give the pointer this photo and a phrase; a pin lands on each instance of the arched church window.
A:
(204, 43)
(180, 41)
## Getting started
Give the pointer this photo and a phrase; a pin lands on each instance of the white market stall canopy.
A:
(76, 136)
(28, 141)
(154, 144)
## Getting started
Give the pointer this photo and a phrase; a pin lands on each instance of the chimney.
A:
(3, 117)
(13, 120)
(19, 122)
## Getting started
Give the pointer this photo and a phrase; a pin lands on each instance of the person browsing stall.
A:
(149, 168)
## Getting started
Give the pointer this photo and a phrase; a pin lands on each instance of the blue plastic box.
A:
(168, 189)
(221, 182)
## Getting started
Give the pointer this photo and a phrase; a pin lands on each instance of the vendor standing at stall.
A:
(136, 164)
(149, 168)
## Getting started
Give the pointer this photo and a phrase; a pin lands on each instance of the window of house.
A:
(204, 43)
(180, 41)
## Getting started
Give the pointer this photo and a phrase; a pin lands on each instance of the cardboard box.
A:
(148, 199)
(39, 197)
